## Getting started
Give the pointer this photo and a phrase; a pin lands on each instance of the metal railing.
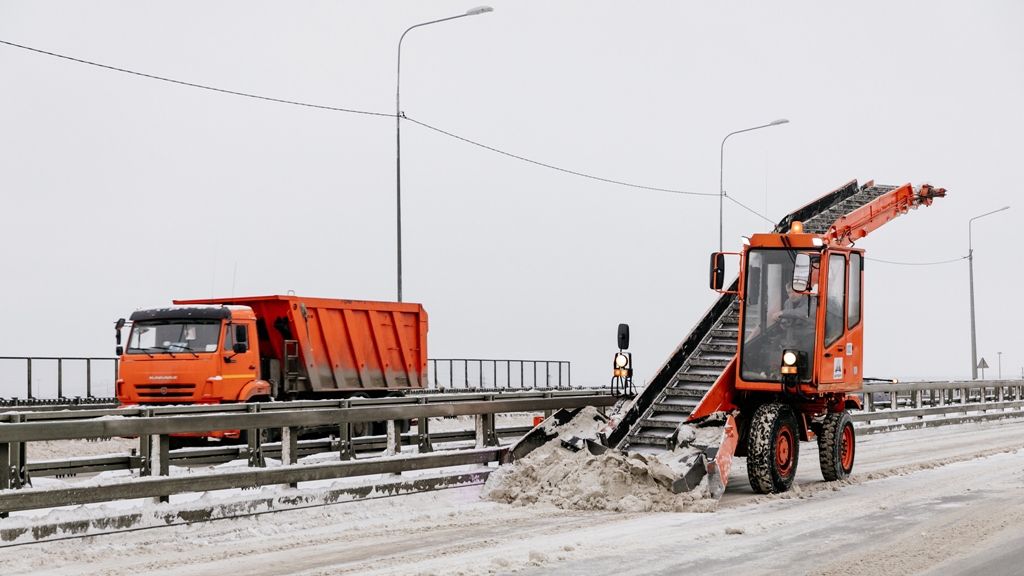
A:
(473, 373)
(91, 381)
(921, 404)
(66, 371)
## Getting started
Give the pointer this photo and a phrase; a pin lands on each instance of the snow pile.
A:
(613, 481)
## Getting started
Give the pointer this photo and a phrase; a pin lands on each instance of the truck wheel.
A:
(773, 448)
(837, 445)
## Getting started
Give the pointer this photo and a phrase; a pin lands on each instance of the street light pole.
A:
(721, 171)
(970, 265)
(398, 128)
(999, 355)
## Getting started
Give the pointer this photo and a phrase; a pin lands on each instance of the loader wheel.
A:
(837, 445)
(773, 449)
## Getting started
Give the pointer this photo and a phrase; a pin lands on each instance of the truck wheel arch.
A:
(253, 389)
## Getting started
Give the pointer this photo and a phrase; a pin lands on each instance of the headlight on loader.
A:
(790, 361)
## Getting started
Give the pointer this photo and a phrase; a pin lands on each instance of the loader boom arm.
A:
(851, 227)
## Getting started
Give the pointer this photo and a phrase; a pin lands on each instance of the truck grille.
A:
(165, 390)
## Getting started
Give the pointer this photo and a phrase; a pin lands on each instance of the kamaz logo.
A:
(163, 377)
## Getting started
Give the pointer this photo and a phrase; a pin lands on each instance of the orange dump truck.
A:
(271, 347)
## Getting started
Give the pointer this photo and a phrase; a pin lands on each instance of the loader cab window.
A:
(835, 310)
(853, 314)
(173, 336)
(776, 317)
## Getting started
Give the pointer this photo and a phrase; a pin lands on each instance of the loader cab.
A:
(800, 310)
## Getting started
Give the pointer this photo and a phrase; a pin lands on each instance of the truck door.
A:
(835, 367)
(241, 368)
(854, 328)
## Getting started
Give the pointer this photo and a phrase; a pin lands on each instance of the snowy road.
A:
(947, 500)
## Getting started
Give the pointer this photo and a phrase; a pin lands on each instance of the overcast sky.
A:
(122, 192)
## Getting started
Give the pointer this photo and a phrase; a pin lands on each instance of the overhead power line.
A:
(351, 111)
(936, 263)
(551, 166)
(194, 85)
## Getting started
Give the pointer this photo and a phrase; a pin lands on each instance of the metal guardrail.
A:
(154, 425)
(442, 373)
(907, 405)
(449, 373)
(84, 364)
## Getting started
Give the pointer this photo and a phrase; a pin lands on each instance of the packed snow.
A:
(553, 474)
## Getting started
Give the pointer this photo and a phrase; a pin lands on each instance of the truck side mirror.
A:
(802, 272)
(717, 270)
(119, 350)
(117, 331)
(623, 336)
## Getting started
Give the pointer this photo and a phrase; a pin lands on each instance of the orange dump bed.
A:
(327, 345)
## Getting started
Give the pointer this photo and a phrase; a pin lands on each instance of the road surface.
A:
(947, 500)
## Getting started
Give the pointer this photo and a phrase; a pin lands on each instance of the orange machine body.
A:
(829, 313)
(295, 348)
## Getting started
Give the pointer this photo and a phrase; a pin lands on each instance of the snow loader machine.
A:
(777, 360)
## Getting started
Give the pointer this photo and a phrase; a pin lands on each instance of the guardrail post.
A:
(5, 469)
(485, 435)
(5, 465)
(255, 441)
(917, 394)
(548, 412)
(893, 401)
(423, 432)
(1000, 393)
(345, 449)
(19, 458)
(393, 441)
(161, 459)
(290, 448)
(964, 393)
(146, 448)
(869, 401)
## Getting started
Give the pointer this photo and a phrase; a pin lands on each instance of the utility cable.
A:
(936, 263)
(551, 166)
(749, 209)
(353, 111)
(194, 85)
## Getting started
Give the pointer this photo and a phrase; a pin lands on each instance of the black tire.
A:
(773, 448)
(837, 446)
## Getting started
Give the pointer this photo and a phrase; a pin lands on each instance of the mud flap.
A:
(720, 463)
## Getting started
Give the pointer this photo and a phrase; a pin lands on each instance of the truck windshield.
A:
(171, 336)
(775, 318)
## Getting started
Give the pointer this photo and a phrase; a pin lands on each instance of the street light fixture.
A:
(721, 162)
(970, 263)
(398, 126)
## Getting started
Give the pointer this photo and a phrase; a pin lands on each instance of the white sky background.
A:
(121, 192)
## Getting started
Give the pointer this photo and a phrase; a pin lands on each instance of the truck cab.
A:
(191, 355)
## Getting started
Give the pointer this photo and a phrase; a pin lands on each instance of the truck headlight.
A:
(621, 360)
(789, 358)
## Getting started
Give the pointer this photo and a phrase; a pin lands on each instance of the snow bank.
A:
(578, 480)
